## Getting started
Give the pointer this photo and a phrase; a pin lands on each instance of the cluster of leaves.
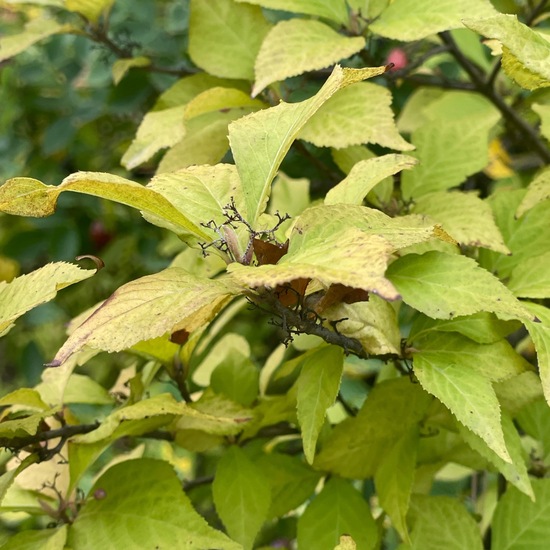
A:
(405, 403)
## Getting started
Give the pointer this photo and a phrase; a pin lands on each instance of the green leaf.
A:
(218, 98)
(394, 480)
(516, 471)
(292, 482)
(337, 510)
(241, 495)
(30, 197)
(482, 327)
(237, 378)
(90, 9)
(275, 129)
(167, 301)
(519, 523)
(466, 392)
(531, 278)
(540, 334)
(538, 191)
(525, 52)
(7, 478)
(295, 46)
(518, 392)
(444, 286)
(82, 389)
(364, 175)
(466, 217)
(449, 151)
(496, 361)
(158, 130)
(318, 386)
(442, 522)
(526, 237)
(139, 503)
(23, 427)
(408, 20)
(224, 37)
(35, 30)
(373, 323)
(359, 114)
(44, 539)
(122, 66)
(534, 420)
(28, 291)
(357, 446)
(335, 11)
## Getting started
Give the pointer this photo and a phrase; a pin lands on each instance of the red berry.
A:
(398, 57)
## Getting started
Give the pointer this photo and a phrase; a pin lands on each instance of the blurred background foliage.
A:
(61, 112)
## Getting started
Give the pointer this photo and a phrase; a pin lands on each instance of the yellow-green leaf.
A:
(29, 291)
(224, 37)
(295, 46)
(359, 114)
(24, 396)
(444, 286)
(544, 112)
(90, 9)
(531, 277)
(540, 334)
(466, 217)
(260, 141)
(35, 30)
(525, 53)
(218, 98)
(538, 191)
(408, 20)
(333, 10)
(30, 197)
(149, 307)
(365, 175)
(122, 66)
(158, 130)
(318, 385)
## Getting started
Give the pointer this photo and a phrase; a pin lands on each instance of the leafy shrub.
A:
(350, 347)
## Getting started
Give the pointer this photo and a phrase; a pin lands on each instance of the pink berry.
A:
(398, 57)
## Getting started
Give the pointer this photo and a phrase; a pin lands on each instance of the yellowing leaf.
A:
(499, 161)
(466, 217)
(365, 175)
(408, 20)
(149, 307)
(122, 66)
(90, 9)
(224, 37)
(373, 323)
(29, 291)
(525, 53)
(349, 257)
(444, 286)
(295, 46)
(201, 192)
(336, 11)
(158, 130)
(220, 98)
(30, 197)
(538, 191)
(317, 385)
(359, 114)
(205, 140)
(35, 30)
(260, 141)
